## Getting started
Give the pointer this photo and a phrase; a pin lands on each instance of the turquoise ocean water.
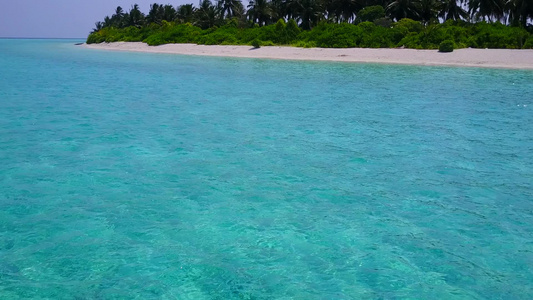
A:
(150, 176)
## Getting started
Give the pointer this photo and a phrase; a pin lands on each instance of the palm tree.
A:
(345, 10)
(118, 18)
(259, 12)
(427, 10)
(307, 12)
(185, 13)
(278, 9)
(207, 15)
(107, 22)
(451, 10)
(519, 11)
(486, 9)
(136, 17)
(168, 13)
(328, 7)
(399, 9)
(156, 13)
(230, 8)
(98, 26)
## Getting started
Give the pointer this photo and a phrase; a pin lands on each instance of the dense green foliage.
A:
(405, 33)
(446, 46)
(256, 43)
(325, 23)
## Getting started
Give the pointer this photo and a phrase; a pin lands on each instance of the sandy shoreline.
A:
(488, 58)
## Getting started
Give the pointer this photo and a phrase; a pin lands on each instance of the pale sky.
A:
(63, 18)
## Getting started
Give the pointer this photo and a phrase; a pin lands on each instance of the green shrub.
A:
(432, 36)
(342, 35)
(529, 43)
(378, 37)
(154, 40)
(459, 34)
(95, 38)
(304, 44)
(245, 36)
(409, 25)
(223, 35)
(383, 22)
(233, 22)
(499, 36)
(281, 32)
(446, 46)
(256, 44)
(292, 29)
(411, 40)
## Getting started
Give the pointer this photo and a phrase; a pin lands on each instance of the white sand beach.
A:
(489, 58)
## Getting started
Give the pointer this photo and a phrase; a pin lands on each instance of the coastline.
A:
(486, 58)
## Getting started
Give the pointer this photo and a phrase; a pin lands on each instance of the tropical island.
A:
(416, 24)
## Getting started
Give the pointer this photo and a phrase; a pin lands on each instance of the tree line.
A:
(326, 23)
(308, 13)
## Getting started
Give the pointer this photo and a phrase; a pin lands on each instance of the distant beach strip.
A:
(488, 58)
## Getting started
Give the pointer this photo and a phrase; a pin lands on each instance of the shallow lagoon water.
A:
(151, 176)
